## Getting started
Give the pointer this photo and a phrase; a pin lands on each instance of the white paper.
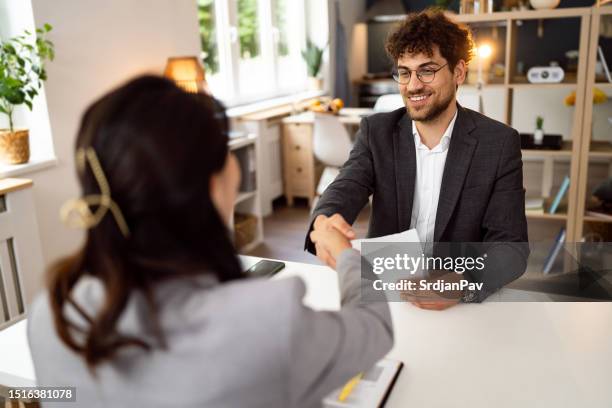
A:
(404, 236)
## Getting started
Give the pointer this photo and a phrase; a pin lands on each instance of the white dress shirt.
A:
(430, 167)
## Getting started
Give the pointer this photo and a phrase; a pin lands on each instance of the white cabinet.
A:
(269, 158)
(21, 261)
(247, 150)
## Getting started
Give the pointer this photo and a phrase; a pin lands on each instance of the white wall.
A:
(99, 44)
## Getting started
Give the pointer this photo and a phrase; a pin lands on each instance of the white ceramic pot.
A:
(315, 84)
(544, 4)
(538, 136)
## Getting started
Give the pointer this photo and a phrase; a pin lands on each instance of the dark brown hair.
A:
(419, 32)
(158, 147)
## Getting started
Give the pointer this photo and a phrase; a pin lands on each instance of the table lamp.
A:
(483, 59)
(187, 73)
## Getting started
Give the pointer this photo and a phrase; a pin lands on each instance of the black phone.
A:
(265, 268)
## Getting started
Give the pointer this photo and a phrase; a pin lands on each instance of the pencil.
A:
(348, 387)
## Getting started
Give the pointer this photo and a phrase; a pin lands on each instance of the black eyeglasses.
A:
(425, 75)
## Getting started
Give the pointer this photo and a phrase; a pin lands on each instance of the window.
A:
(251, 48)
(15, 18)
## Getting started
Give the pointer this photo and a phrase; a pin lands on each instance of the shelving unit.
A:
(590, 150)
(510, 23)
(248, 202)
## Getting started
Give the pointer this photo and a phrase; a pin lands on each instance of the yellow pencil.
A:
(348, 388)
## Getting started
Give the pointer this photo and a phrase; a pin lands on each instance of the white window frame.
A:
(226, 84)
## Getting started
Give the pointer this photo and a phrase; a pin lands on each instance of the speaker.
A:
(540, 75)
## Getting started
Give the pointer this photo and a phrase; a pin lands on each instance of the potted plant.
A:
(313, 56)
(538, 135)
(22, 73)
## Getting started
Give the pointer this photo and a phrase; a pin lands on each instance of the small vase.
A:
(315, 84)
(538, 136)
(15, 146)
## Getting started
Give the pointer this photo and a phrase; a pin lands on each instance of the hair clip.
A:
(76, 213)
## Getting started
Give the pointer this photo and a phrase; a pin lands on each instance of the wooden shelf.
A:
(566, 151)
(546, 216)
(600, 149)
(591, 218)
(522, 15)
(604, 86)
(9, 185)
(569, 81)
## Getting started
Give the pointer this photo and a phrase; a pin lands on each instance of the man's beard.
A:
(431, 113)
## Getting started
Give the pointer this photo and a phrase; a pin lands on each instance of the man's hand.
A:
(434, 300)
(323, 224)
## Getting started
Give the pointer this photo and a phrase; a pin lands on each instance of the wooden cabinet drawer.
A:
(297, 170)
(298, 137)
(298, 158)
(300, 186)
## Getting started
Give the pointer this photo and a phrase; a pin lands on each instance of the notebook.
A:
(373, 389)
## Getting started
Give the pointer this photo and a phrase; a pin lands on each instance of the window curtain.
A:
(342, 88)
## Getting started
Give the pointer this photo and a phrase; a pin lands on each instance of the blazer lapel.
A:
(458, 161)
(404, 153)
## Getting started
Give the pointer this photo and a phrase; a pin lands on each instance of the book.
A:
(534, 205)
(604, 64)
(560, 194)
(554, 251)
(372, 390)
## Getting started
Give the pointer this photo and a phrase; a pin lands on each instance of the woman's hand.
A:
(331, 241)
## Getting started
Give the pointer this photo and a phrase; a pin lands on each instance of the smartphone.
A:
(265, 268)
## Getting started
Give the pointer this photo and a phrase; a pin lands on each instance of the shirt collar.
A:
(444, 141)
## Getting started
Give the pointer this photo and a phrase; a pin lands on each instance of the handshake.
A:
(332, 235)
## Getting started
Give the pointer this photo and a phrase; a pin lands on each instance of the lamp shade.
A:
(187, 72)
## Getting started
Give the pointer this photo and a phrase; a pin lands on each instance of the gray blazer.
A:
(481, 199)
(249, 343)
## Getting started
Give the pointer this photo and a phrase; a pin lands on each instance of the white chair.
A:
(388, 103)
(331, 146)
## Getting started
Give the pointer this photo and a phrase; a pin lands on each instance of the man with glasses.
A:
(449, 172)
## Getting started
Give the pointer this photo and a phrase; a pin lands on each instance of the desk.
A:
(300, 169)
(16, 368)
(493, 354)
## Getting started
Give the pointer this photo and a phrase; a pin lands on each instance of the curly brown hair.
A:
(419, 32)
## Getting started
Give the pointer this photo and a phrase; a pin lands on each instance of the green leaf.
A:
(22, 67)
(9, 48)
(16, 97)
